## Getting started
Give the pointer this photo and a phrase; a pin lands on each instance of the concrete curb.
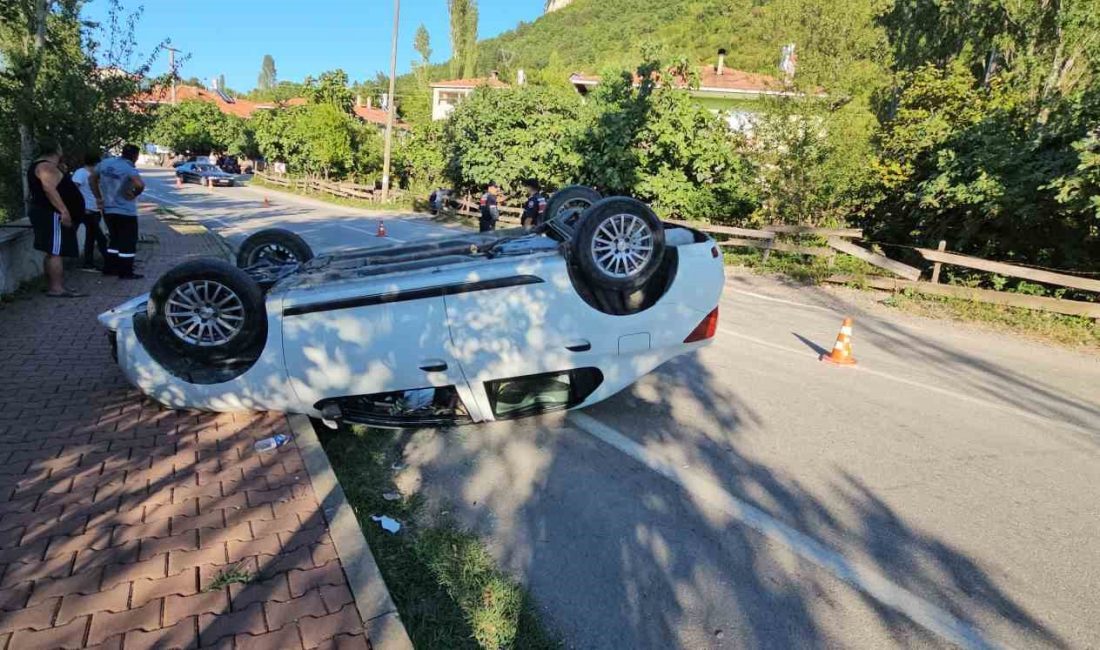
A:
(383, 624)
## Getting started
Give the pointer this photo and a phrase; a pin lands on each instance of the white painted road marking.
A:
(780, 300)
(862, 577)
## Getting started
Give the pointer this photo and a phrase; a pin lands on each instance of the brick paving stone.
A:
(85, 582)
(250, 620)
(184, 583)
(287, 638)
(280, 614)
(335, 597)
(345, 642)
(323, 628)
(188, 541)
(182, 635)
(275, 589)
(303, 581)
(69, 636)
(112, 600)
(107, 624)
(116, 512)
(205, 602)
(37, 617)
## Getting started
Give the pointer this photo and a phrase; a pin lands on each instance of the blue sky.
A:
(305, 37)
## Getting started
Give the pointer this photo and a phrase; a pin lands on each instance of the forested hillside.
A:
(590, 35)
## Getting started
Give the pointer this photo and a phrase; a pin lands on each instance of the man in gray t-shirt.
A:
(116, 184)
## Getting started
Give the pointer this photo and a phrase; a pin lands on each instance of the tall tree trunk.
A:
(27, 92)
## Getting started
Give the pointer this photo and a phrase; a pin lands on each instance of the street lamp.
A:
(391, 106)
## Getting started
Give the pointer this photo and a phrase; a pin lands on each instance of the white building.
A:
(448, 94)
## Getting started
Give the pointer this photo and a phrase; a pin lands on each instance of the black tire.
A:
(569, 202)
(619, 243)
(228, 301)
(277, 244)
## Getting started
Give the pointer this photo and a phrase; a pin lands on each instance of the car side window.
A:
(517, 397)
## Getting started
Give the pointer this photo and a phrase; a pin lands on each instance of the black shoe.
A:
(131, 276)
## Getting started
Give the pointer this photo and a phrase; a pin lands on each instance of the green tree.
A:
(422, 43)
(268, 77)
(198, 127)
(421, 156)
(463, 15)
(506, 135)
(330, 88)
(67, 79)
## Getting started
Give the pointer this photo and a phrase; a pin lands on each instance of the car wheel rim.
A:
(572, 208)
(205, 313)
(274, 252)
(622, 245)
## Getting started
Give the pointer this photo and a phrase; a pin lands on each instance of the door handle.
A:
(579, 346)
(433, 365)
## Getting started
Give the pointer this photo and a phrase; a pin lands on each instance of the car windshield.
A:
(204, 168)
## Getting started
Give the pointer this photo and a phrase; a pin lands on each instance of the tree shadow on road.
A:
(619, 557)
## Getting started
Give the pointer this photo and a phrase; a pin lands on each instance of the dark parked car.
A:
(203, 174)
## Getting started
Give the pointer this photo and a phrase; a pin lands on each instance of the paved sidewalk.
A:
(117, 516)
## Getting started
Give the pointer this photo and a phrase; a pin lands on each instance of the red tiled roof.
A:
(377, 116)
(492, 82)
(738, 80)
(730, 80)
(238, 107)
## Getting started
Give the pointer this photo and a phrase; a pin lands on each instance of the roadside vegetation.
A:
(446, 586)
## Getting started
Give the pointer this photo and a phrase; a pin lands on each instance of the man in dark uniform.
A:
(490, 211)
(54, 199)
(534, 210)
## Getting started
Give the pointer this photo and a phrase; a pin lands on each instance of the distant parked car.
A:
(203, 174)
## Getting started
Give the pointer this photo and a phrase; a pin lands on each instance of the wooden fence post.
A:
(936, 266)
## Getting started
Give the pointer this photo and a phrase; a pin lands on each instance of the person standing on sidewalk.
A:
(490, 211)
(53, 200)
(93, 236)
(116, 184)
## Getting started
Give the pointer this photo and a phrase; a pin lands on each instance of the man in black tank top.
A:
(54, 199)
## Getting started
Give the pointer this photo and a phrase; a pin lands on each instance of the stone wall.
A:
(19, 261)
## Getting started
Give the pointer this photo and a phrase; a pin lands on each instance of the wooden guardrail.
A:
(838, 239)
(336, 188)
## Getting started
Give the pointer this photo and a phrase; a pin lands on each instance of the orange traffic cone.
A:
(842, 349)
(381, 229)
(179, 182)
(267, 204)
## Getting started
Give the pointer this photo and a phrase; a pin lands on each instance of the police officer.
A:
(534, 210)
(490, 211)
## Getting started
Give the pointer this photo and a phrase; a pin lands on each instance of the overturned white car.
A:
(476, 328)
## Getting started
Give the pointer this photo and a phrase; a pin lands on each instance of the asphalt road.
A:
(945, 491)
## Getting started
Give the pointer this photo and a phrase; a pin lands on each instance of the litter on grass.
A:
(391, 496)
(388, 524)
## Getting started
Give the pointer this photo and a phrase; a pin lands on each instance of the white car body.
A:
(332, 334)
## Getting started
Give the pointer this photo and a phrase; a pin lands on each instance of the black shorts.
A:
(50, 236)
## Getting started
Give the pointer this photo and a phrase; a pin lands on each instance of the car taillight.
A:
(705, 329)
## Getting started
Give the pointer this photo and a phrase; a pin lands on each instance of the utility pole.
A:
(172, 69)
(391, 106)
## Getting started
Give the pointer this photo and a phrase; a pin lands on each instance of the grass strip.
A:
(446, 586)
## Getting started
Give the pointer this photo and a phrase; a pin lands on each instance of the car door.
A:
(530, 331)
(375, 354)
